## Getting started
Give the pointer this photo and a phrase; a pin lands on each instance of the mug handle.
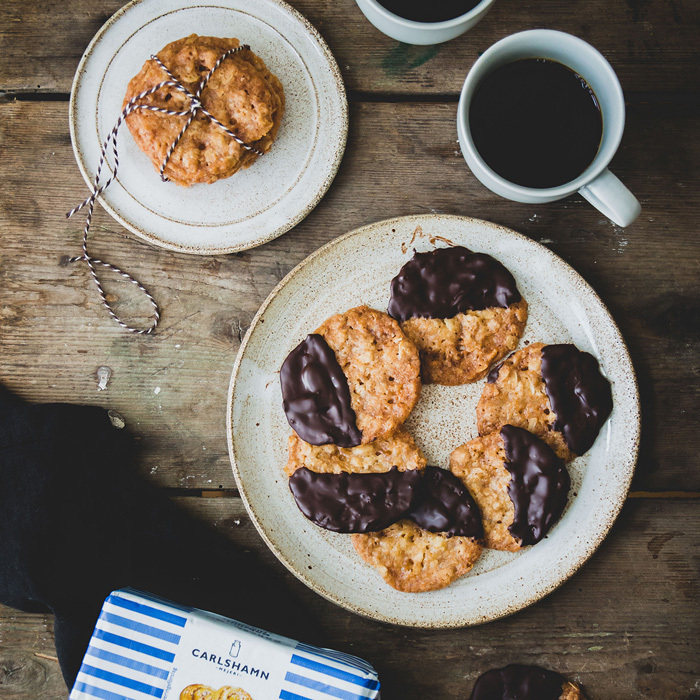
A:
(607, 194)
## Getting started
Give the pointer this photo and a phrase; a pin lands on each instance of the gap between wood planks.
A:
(358, 96)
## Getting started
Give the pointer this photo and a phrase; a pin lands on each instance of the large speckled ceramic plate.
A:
(254, 205)
(356, 269)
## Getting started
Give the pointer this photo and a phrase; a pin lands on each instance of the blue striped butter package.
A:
(144, 647)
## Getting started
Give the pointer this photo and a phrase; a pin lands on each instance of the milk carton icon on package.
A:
(235, 649)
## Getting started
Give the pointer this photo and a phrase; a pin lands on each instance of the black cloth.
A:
(76, 524)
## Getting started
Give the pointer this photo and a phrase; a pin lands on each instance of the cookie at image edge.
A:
(242, 93)
(526, 682)
(398, 450)
(461, 349)
(381, 365)
(413, 560)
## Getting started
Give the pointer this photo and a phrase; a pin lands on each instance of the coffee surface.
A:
(518, 682)
(435, 11)
(316, 397)
(536, 123)
(447, 281)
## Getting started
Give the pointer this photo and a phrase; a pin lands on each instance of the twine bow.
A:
(194, 108)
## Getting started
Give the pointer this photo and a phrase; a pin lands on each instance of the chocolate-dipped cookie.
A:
(556, 392)
(521, 682)
(518, 482)
(462, 309)
(439, 541)
(355, 489)
(355, 379)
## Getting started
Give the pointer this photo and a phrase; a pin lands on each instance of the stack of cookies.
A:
(240, 92)
(348, 388)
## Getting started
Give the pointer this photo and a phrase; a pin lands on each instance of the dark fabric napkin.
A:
(76, 524)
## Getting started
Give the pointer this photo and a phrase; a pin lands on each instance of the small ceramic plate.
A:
(357, 269)
(253, 206)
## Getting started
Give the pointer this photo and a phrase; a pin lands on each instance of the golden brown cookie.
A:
(197, 692)
(381, 365)
(460, 350)
(242, 94)
(571, 691)
(518, 397)
(413, 560)
(480, 464)
(398, 450)
(518, 482)
(229, 693)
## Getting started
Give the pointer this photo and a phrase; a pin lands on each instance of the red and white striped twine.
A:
(97, 189)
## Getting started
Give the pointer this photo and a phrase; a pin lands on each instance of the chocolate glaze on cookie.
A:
(316, 397)
(355, 502)
(518, 682)
(579, 394)
(447, 281)
(492, 376)
(445, 505)
(538, 486)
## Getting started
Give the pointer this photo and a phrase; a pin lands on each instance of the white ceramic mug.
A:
(421, 33)
(596, 184)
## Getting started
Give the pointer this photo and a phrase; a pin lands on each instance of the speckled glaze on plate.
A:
(356, 269)
(254, 205)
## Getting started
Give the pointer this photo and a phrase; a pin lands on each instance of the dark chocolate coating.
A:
(518, 682)
(447, 281)
(316, 397)
(579, 394)
(355, 502)
(492, 376)
(538, 486)
(445, 505)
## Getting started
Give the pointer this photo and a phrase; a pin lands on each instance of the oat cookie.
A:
(518, 482)
(524, 683)
(357, 489)
(523, 391)
(398, 450)
(203, 692)
(381, 365)
(197, 692)
(517, 396)
(461, 349)
(242, 94)
(479, 464)
(413, 560)
(462, 310)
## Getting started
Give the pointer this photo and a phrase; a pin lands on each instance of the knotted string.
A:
(97, 189)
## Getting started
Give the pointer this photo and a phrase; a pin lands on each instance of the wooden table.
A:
(627, 624)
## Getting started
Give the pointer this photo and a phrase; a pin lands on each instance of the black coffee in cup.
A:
(429, 10)
(536, 123)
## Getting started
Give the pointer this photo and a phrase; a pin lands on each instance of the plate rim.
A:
(567, 571)
(258, 240)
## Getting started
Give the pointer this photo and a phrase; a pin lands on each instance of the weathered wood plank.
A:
(653, 44)
(625, 626)
(54, 333)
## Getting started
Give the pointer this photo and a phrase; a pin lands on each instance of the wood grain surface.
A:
(627, 624)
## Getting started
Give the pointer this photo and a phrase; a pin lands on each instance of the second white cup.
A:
(596, 184)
